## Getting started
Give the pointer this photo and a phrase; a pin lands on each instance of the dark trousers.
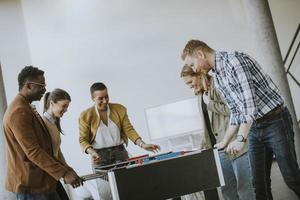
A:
(277, 135)
(112, 155)
(108, 156)
(211, 194)
(60, 190)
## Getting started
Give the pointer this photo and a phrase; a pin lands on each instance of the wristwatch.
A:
(141, 144)
(240, 138)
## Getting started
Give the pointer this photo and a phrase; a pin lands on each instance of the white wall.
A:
(133, 46)
(14, 51)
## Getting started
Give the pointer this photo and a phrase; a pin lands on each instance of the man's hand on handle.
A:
(73, 179)
(235, 147)
(221, 145)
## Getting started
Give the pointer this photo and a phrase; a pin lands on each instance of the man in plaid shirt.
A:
(257, 111)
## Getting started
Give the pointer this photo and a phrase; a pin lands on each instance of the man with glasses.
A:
(104, 129)
(32, 170)
(42, 85)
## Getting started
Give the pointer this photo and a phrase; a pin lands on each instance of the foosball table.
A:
(163, 176)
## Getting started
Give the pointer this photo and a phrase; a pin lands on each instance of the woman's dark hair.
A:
(55, 96)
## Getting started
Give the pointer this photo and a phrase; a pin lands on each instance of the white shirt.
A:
(107, 136)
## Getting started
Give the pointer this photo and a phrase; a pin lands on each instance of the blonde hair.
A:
(203, 76)
(192, 46)
(187, 71)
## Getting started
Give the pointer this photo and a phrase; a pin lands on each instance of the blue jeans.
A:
(237, 175)
(277, 135)
(49, 196)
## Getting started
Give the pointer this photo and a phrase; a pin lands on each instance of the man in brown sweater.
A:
(32, 170)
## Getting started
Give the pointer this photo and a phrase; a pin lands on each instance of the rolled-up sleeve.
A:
(244, 90)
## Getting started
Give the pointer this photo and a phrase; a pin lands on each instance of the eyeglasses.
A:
(39, 84)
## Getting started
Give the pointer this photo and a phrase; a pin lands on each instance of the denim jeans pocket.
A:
(277, 130)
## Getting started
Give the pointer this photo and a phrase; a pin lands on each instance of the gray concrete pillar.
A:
(3, 104)
(267, 48)
(269, 56)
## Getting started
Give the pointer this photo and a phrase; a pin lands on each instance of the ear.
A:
(27, 86)
(200, 53)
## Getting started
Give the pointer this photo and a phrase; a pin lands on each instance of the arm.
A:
(235, 146)
(245, 98)
(128, 129)
(243, 90)
(134, 136)
(230, 133)
(95, 156)
(71, 176)
(84, 139)
(149, 147)
(233, 130)
(84, 134)
(61, 158)
(26, 137)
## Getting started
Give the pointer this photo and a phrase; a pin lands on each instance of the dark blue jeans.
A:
(276, 135)
(59, 194)
(50, 196)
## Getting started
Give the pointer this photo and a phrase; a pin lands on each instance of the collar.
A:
(108, 111)
(49, 117)
(32, 106)
(219, 57)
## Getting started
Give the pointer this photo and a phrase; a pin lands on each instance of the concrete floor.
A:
(279, 189)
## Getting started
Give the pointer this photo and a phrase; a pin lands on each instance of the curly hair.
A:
(192, 46)
(28, 73)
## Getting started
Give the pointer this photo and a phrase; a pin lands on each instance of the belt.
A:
(119, 147)
(271, 114)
